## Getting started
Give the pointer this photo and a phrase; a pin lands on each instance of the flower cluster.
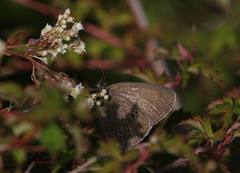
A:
(97, 99)
(76, 90)
(53, 40)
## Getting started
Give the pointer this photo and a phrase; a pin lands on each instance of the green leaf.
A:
(22, 127)
(206, 69)
(185, 78)
(195, 123)
(19, 155)
(52, 137)
(111, 148)
(52, 105)
(161, 53)
(226, 108)
(146, 76)
(214, 104)
(236, 133)
(220, 134)
(203, 125)
(11, 92)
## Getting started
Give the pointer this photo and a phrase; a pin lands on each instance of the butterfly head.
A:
(102, 93)
(101, 85)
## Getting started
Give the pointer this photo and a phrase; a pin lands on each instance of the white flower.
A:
(64, 22)
(64, 26)
(70, 19)
(67, 11)
(60, 16)
(73, 33)
(53, 54)
(90, 102)
(46, 29)
(77, 27)
(76, 90)
(43, 53)
(45, 60)
(80, 48)
(106, 97)
(67, 38)
(65, 46)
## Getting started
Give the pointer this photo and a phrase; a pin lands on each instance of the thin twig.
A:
(86, 164)
(30, 167)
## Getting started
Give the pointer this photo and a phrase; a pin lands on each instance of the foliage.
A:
(45, 122)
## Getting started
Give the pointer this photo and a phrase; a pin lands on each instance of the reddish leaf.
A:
(203, 125)
(223, 167)
(206, 69)
(161, 53)
(214, 104)
(163, 79)
(16, 39)
(237, 133)
(228, 106)
(184, 53)
(234, 94)
(176, 81)
(137, 73)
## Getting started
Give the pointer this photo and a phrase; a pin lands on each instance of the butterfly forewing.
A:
(154, 100)
(122, 119)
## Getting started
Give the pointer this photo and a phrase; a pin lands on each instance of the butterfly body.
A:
(132, 109)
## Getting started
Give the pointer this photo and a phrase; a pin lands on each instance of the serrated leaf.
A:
(236, 133)
(52, 137)
(203, 125)
(163, 79)
(16, 39)
(195, 123)
(206, 69)
(214, 104)
(234, 94)
(226, 110)
(228, 100)
(223, 167)
(199, 135)
(220, 134)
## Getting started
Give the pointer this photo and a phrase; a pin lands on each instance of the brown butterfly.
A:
(128, 110)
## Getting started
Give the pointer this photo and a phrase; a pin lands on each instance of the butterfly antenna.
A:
(101, 73)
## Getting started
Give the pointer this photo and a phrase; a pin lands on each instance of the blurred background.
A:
(116, 38)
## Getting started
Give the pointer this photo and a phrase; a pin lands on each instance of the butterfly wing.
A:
(121, 118)
(154, 100)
